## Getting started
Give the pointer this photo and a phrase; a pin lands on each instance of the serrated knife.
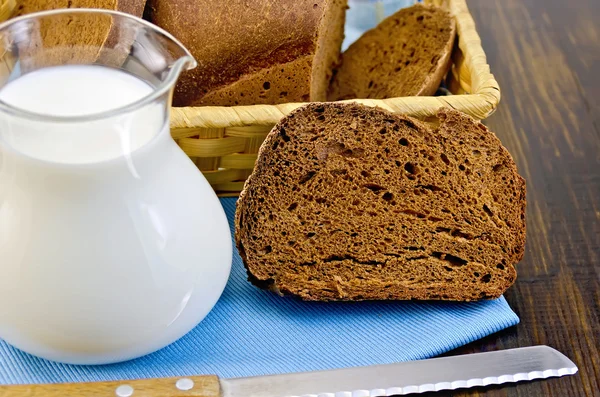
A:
(447, 373)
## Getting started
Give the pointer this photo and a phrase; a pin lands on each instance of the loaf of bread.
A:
(83, 39)
(348, 202)
(407, 54)
(134, 7)
(254, 52)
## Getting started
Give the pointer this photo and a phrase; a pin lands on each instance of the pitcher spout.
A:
(159, 53)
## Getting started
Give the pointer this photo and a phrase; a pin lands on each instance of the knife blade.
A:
(447, 373)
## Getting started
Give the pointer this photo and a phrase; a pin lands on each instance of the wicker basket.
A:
(224, 141)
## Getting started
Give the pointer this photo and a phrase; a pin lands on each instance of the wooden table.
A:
(545, 55)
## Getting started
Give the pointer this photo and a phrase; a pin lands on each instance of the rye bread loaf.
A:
(84, 39)
(348, 202)
(254, 52)
(134, 7)
(407, 54)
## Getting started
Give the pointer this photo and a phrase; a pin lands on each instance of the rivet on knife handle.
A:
(190, 386)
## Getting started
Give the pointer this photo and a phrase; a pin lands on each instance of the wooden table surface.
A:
(545, 55)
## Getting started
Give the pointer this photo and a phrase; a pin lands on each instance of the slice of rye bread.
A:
(407, 54)
(348, 202)
(81, 39)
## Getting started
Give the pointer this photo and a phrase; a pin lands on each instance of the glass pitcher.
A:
(112, 243)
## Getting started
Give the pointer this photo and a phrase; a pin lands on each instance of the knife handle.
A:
(189, 386)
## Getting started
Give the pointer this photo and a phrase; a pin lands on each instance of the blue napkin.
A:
(254, 332)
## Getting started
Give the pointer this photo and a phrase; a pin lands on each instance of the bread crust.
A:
(433, 80)
(134, 7)
(91, 38)
(237, 42)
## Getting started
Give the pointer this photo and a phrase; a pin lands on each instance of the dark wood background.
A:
(545, 55)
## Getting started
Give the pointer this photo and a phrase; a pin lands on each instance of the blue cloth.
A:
(253, 332)
(364, 15)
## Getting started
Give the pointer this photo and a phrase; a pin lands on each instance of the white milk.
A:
(81, 91)
(112, 244)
